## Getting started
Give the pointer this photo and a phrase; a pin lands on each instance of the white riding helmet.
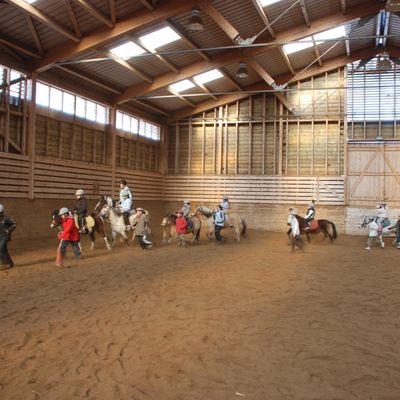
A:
(186, 201)
(63, 211)
(294, 212)
(1, 208)
(79, 192)
(225, 197)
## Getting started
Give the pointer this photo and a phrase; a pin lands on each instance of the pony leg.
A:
(92, 239)
(113, 236)
(123, 234)
(107, 242)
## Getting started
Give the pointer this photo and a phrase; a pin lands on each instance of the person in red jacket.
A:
(69, 234)
(181, 226)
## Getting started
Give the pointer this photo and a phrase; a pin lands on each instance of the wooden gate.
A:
(373, 174)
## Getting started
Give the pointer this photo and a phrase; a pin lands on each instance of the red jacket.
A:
(70, 231)
(181, 225)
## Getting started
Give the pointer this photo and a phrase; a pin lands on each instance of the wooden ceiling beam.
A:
(43, 18)
(129, 67)
(34, 33)
(104, 35)
(270, 81)
(232, 81)
(219, 19)
(163, 59)
(95, 12)
(316, 51)
(264, 17)
(89, 78)
(148, 4)
(343, 5)
(286, 59)
(233, 56)
(188, 41)
(305, 13)
(152, 107)
(203, 88)
(328, 66)
(184, 99)
(18, 46)
(113, 14)
(72, 18)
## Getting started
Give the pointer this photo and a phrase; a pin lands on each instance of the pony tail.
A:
(334, 230)
(244, 229)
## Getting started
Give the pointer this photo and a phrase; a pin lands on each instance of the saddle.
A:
(89, 221)
(313, 225)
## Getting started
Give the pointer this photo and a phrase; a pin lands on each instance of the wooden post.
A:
(237, 139)
(250, 135)
(203, 146)
(31, 98)
(280, 141)
(189, 166)
(176, 169)
(113, 131)
(7, 118)
(226, 139)
(24, 132)
(220, 128)
(263, 137)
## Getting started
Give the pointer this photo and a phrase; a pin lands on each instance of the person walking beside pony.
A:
(7, 225)
(373, 233)
(69, 235)
(142, 219)
(219, 222)
(296, 240)
(180, 227)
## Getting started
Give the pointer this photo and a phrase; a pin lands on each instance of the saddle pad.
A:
(313, 224)
(90, 222)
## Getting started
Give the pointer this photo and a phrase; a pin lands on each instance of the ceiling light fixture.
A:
(195, 22)
(384, 63)
(242, 70)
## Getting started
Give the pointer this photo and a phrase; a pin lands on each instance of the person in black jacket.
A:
(81, 206)
(7, 225)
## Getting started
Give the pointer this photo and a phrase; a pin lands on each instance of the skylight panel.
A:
(127, 50)
(265, 3)
(159, 38)
(300, 45)
(330, 34)
(208, 76)
(30, 1)
(182, 85)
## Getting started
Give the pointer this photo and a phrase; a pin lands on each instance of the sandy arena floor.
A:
(249, 321)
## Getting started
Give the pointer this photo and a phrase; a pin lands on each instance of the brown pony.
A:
(327, 228)
(98, 227)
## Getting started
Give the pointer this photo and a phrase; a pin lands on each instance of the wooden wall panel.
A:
(14, 177)
(244, 137)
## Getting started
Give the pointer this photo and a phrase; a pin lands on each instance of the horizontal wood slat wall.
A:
(255, 189)
(57, 179)
(14, 175)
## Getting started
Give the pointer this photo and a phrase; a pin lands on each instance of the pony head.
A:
(166, 221)
(55, 219)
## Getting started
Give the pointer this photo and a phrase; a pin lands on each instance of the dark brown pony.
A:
(98, 227)
(327, 228)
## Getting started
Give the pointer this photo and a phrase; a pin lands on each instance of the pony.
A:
(97, 227)
(106, 209)
(327, 228)
(233, 220)
(170, 220)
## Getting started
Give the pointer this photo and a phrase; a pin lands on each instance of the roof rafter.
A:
(233, 56)
(203, 88)
(129, 67)
(328, 66)
(305, 13)
(72, 17)
(101, 36)
(152, 107)
(95, 12)
(40, 16)
(18, 46)
(113, 14)
(264, 17)
(220, 20)
(35, 34)
(270, 81)
(148, 4)
(184, 99)
(343, 6)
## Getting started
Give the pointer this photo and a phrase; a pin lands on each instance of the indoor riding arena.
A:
(199, 199)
